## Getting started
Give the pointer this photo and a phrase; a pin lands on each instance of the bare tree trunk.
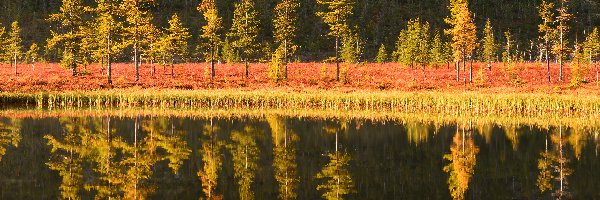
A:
(337, 62)
(471, 71)
(108, 61)
(172, 68)
(247, 65)
(212, 62)
(457, 65)
(560, 57)
(548, 62)
(15, 59)
(135, 60)
(285, 61)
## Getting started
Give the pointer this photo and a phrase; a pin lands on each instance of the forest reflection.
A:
(275, 157)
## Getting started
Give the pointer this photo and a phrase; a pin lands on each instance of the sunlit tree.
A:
(15, 44)
(69, 37)
(382, 55)
(139, 28)
(560, 48)
(490, 48)
(211, 31)
(285, 28)
(337, 17)
(174, 44)
(412, 48)
(244, 30)
(463, 32)
(109, 32)
(32, 55)
(592, 49)
(546, 29)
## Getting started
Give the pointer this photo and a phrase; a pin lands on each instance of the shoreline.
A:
(470, 103)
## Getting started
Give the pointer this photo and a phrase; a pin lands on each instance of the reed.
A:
(449, 103)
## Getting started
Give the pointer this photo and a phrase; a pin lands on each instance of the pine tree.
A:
(175, 44)
(463, 32)
(109, 32)
(560, 48)
(285, 28)
(412, 47)
(229, 54)
(490, 48)
(382, 55)
(592, 49)
(337, 17)
(438, 53)
(508, 55)
(70, 20)
(545, 11)
(32, 55)
(15, 44)
(211, 31)
(4, 57)
(578, 66)
(350, 52)
(244, 30)
(139, 28)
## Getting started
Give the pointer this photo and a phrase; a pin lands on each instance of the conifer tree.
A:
(211, 31)
(244, 30)
(382, 55)
(578, 66)
(438, 53)
(175, 44)
(463, 32)
(560, 48)
(337, 17)
(545, 11)
(229, 54)
(490, 48)
(15, 44)
(32, 55)
(412, 47)
(285, 23)
(508, 55)
(109, 32)
(350, 52)
(139, 28)
(4, 57)
(70, 20)
(592, 49)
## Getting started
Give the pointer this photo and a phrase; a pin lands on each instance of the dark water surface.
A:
(289, 158)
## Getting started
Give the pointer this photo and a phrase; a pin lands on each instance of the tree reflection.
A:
(284, 160)
(175, 146)
(462, 157)
(67, 157)
(211, 157)
(553, 166)
(245, 157)
(338, 180)
(10, 135)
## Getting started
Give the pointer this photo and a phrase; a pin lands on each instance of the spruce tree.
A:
(109, 32)
(490, 48)
(4, 57)
(592, 49)
(578, 66)
(69, 38)
(174, 44)
(560, 48)
(508, 55)
(285, 28)
(463, 32)
(139, 28)
(15, 44)
(382, 55)
(438, 53)
(32, 55)
(337, 17)
(546, 30)
(229, 53)
(244, 31)
(212, 29)
(412, 47)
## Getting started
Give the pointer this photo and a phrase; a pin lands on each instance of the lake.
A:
(282, 157)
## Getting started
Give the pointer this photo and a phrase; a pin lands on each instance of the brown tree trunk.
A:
(337, 62)
(212, 62)
(135, 60)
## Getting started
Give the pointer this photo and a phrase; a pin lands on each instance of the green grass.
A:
(538, 105)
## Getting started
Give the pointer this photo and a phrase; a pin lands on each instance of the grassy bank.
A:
(448, 103)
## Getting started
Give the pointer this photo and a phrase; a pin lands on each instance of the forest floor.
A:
(523, 78)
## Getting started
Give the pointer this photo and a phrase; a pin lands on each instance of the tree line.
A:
(106, 31)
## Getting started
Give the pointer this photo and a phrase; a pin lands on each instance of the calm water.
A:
(280, 158)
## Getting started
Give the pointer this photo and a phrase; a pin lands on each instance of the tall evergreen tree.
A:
(508, 54)
(244, 31)
(175, 44)
(69, 38)
(413, 45)
(285, 24)
(337, 17)
(382, 55)
(463, 32)
(560, 48)
(490, 48)
(109, 32)
(15, 44)
(438, 53)
(545, 11)
(139, 28)
(32, 55)
(211, 31)
(4, 57)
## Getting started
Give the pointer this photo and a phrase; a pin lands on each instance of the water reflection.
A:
(463, 158)
(275, 157)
